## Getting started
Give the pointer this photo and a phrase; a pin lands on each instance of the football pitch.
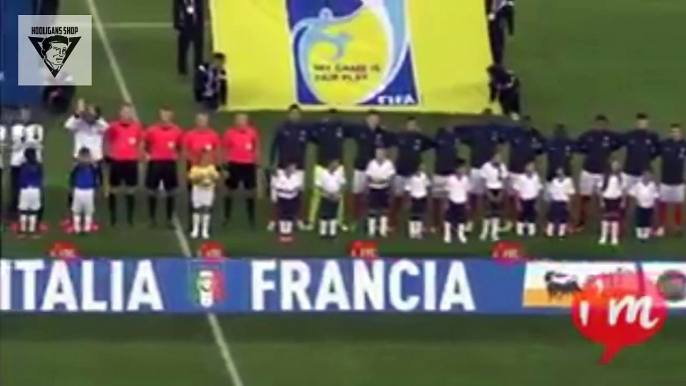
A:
(576, 59)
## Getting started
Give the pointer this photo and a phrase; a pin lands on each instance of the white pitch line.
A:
(212, 320)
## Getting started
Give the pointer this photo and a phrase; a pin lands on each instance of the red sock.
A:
(662, 213)
(678, 215)
(437, 211)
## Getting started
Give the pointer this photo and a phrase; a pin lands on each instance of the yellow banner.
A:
(422, 55)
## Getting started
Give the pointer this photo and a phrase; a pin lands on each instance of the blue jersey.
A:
(329, 136)
(84, 176)
(483, 141)
(673, 161)
(411, 145)
(368, 140)
(525, 145)
(642, 146)
(559, 151)
(30, 175)
(598, 145)
(290, 144)
(446, 157)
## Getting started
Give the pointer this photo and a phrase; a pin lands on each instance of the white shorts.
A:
(298, 173)
(202, 197)
(439, 186)
(359, 181)
(672, 194)
(399, 184)
(629, 181)
(512, 183)
(589, 183)
(83, 201)
(29, 199)
(476, 180)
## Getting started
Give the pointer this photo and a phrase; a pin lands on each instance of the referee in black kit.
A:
(189, 22)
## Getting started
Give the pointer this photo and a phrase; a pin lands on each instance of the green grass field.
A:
(575, 58)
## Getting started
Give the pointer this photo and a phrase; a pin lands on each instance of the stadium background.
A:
(575, 59)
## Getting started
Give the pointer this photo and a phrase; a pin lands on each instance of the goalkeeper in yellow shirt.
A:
(203, 178)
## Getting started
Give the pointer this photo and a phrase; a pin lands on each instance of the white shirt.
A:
(331, 183)
(646, 194)
(25, 137)
(614, 189)
(528, 186)
(561, 190)
(494, 175)
(87, 135)
(458, 189)
(380, 173)
(287, 187)
(418, 185)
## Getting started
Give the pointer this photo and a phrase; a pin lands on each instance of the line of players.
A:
(383, 189)
(490, 183)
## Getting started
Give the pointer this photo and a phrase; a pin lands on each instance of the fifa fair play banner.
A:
(177, 285)
(354, 54)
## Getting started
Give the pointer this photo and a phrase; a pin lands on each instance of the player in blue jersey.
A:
(411, 143)
(84, 181)
(30, 181)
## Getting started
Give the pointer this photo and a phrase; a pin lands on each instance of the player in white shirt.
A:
(88, 129)
(331, 183)
(646, 194)
(288, 184)
(528, 187)
(380, 173)
(458, 189)
(495, 176)
(417, 187)
(559, 192)
(611, 190)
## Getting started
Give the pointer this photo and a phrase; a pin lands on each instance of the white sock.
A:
(206, 225)
(411, 229)
(646, 233)
(550, 229)
(76, 222)
(531, 229)
(289, 227)
(33, 219)
(371, 226)
(383, 225)
(282, 227)
(520, 229)
(333, 228)
(196, 223)
(639, 233)
(420, 229)
(447, 232)
(87, 222)
(485, 228)
(461, 233)
(322, 227)
(562, 230)
(495, 228)
(604, 231)
(23, 221)
(615, 232)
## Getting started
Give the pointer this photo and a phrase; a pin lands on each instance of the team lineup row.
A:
(125, 142)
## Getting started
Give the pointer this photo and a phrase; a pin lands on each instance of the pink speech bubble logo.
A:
(618, 310)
